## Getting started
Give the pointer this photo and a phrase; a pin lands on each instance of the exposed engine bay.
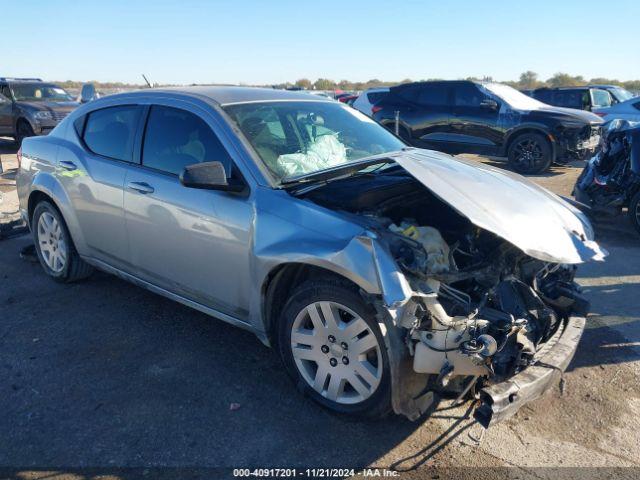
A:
(482, 309)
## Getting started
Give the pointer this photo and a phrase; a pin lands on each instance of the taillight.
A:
(19, 155)
(600, 114)
(375, 109)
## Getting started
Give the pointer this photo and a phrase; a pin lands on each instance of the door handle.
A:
(141, 187)
(67, 165)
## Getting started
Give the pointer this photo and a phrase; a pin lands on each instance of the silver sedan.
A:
(386, 276)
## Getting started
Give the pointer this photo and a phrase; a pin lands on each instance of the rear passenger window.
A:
(568, 98)
(176, 138)
(375, 97)
(433, 95)
(544, 96)
(110, 132)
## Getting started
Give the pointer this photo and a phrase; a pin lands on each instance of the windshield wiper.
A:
(339, 171)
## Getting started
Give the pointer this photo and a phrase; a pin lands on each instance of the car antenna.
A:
(148, 82)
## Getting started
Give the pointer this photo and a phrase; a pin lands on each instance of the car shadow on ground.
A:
(554, 170)
(146, 381)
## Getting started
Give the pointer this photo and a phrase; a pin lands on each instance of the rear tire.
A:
(530, 154)
(634, 211)
(323, 360)
(54, 246)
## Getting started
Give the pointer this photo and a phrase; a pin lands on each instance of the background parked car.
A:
(29, 106)
(618, 94)
(369, 98)
(582, 98)
(629, 110)
(348, 99)
(488, 118)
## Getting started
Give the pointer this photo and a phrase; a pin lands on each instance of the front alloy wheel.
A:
(332, 346)
(336, 352)
(530, 154)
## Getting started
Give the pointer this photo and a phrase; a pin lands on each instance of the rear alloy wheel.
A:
(54, 246)
(634, 211)
(529, 154)
(331, 345)
(23, 130)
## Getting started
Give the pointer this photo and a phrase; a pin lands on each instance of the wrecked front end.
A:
(612, 177)
(479, 316)
(482, 314)
(577, 143)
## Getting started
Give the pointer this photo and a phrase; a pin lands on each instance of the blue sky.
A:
(262, 42)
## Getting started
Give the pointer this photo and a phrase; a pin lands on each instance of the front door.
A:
(475, 124)
(188, 241)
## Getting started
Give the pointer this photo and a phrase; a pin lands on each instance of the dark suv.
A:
(582, 98)
(29, 106)
(491, 119)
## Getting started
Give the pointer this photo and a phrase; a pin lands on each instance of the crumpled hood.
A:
(533, 219)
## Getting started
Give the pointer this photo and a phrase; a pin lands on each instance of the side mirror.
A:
(489, 104)
(209, 176)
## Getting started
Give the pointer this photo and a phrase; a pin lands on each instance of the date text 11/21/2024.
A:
(314, 472)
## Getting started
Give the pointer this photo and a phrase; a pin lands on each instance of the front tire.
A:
(332, 347)
(530, 154)
(23, 130)
(54, 246)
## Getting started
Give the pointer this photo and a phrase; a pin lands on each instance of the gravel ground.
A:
(104, 378)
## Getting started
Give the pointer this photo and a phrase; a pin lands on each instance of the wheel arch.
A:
(46, 187)
(282, 279)
(531, 128)
(21, 118)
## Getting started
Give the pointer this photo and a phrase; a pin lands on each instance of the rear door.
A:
(188, 241)
(474, 124)
(425, 110)
(93, 178)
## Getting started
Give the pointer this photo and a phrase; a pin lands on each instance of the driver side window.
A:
(467, 96)
(176, 138)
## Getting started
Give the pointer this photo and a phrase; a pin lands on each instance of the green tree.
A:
(323, 84)
(529, 80)
(565, 80)
(303, 83)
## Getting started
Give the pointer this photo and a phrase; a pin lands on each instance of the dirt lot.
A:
(104, 378)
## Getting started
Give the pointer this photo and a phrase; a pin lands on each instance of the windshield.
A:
(298, 138)
(621, 94)
(513, 97)
(38, 92)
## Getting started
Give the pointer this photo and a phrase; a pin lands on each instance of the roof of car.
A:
(575, 87)
(225, 95)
